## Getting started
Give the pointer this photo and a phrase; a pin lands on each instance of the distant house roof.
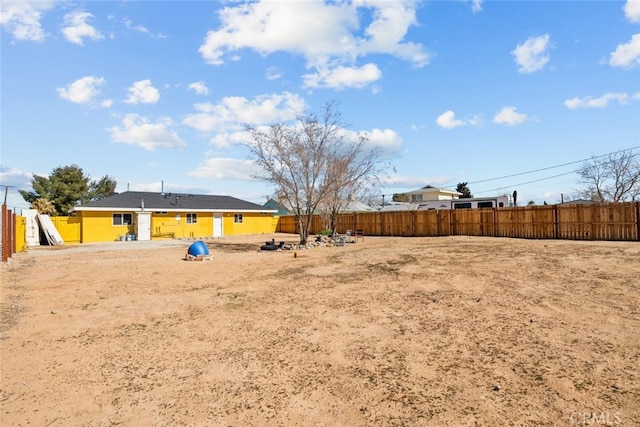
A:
(397, 206)
(355, 206)
(136, 200)
(427, 189)
(273, 204)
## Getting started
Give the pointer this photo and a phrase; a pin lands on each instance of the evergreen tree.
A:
(463, 188)
(65, 187)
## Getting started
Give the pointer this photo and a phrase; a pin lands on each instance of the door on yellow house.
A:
(217, 225)
(144, 226)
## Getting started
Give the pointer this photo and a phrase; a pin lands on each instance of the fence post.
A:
(638, 220)
(495, 222)
(556, 233)
(452, 222)
(414, 219)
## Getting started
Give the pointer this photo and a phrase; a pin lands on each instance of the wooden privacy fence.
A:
(595, 221)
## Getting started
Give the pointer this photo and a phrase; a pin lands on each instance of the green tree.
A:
(401, 197)
(65, 187)
(43, 206)
(463, 188)
(104, 187)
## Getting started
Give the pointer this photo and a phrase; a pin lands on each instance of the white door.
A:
(144, 226)
(217, 225)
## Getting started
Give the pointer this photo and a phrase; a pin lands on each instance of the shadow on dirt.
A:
(233, 247)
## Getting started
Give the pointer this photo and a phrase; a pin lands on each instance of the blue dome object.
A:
(198, 248)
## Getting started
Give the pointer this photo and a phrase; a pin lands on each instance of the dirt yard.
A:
(449, 331)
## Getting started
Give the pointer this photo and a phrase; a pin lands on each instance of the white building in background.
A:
(429, 192)
(433, 198)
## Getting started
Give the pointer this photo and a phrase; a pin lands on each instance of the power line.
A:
(528, 182)
(538, 170)
(548, 168)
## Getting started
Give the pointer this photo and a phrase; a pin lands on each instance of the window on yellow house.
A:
(237, 218)
(192, 218)
(122, 219)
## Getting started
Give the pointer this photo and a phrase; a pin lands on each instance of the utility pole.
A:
(6, 190)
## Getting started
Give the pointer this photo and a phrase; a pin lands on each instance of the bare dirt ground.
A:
(449, 331)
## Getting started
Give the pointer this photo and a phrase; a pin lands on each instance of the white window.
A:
(122, 219)
(237, 218)
(192, 218)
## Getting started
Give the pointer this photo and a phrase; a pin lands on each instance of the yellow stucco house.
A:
(137, 215)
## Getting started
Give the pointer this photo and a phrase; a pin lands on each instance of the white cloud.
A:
(385, 139)
(601, 102)
(531, 56)
(83, 90)
(402, 181)
(342, 77)
(448, 120)
(632, 10)
(509, 116)
(22, 18)
(199, 87)
(476, 5)
(128, 23)
(140, 131)
(76, 28)
(15, 178)
(328, 35)
(273, 73)
(627, 55)
(160, 186)
(226, 168)
(227, 139)
(233, 112)
(143, 92)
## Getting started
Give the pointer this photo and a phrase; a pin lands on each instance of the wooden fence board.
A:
(427, 223)
(596, 221)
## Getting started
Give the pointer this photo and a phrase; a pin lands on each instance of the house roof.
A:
(430, 189)
(355, 206)
(279, 208)
(397, 206)
(136, 200)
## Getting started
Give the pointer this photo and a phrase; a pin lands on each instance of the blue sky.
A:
(156, 93)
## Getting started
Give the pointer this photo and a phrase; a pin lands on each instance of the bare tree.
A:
(352, 172)
(615, 178)
(310, 163)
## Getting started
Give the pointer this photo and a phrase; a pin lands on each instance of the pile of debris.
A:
(320, 240)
